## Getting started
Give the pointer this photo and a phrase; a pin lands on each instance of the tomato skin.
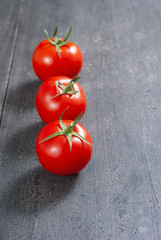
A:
(55, 155)
(47, 63)
(50, 109)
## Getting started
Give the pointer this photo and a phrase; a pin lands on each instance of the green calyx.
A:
(68, 131)
(58, 42)
(66, 89)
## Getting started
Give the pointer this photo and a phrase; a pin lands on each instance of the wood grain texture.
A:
(10, 15)
(117, 196)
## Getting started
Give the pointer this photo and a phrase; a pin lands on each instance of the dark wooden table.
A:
(118, 195)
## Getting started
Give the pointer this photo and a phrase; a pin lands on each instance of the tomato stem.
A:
(57, 41)
(68, 131)
(67, 89)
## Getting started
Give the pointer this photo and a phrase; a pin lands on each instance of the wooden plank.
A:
(117, 196)
(10, 14)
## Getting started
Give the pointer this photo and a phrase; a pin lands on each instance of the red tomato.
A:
(50, 109)
(55, 154)
(47, 62)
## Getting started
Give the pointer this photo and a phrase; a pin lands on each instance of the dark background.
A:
(118, 195)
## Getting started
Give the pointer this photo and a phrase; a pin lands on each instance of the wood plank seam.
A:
(13, 47)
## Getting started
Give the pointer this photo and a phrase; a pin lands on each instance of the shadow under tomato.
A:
(37, 190)
(20, 145)
(22, 98)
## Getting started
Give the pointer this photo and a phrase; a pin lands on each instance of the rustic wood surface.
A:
(118, 195)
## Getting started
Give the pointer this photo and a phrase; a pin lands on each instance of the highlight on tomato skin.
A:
(56, 57)
(51, 101)
(64, 152)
